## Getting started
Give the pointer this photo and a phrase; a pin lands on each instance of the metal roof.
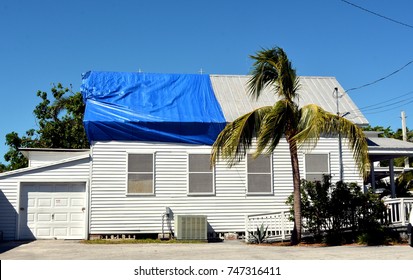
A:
(232, 94)
(377, 143)
(381, 148)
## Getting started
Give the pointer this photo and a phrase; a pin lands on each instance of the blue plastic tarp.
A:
(178, 108)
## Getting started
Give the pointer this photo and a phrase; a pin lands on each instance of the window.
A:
(316, 165)
(201, 175)
(259, 175)
(140, 174)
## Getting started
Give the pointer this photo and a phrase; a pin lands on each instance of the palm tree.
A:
(269, 124)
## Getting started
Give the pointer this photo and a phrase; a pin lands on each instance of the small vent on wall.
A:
(191, 227)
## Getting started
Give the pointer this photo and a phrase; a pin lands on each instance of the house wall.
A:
(330, 146)
(74, 171)
(39, 158)
(113, 211)
(8, 209)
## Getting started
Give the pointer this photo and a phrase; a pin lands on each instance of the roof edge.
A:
(53, 150)
(27, 169)
(247, 75)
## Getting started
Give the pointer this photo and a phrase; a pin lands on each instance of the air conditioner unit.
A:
(191, 227)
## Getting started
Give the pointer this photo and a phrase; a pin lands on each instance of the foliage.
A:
(390, 133)
(387, 132)
(61, 122)
(16, 158)
(299, 126)
(259, 236)
(3, 167)
(336, 213)
(403, 184)
(59, 126)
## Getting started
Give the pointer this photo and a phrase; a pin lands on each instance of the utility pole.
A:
(340, 149)
(404, 130)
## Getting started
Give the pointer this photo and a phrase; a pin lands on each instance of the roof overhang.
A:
(27, 151)
(381, 148)
(48, 165)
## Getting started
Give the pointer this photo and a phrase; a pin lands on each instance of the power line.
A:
(386, 101)
(389, 109)
(377, 107)
(381, 79)
(390, 104)
(379, 15)
(353, 116)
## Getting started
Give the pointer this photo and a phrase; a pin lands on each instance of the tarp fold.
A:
(124, 106)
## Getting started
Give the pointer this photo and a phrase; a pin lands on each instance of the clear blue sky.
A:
(44, 42)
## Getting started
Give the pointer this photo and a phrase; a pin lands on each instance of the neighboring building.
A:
(151, 137)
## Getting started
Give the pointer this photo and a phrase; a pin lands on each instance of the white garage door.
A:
(52, 211)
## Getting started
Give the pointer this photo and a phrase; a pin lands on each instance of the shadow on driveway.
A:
(9, 245)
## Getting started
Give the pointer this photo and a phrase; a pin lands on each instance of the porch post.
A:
(373, 177)
(392, 185)
(247, 227)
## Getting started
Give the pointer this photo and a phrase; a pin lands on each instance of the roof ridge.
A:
(246, 75)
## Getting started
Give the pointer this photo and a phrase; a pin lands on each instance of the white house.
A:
(151, 137)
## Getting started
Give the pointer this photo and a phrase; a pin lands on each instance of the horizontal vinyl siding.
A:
(8, 206)
(283, 176)
(113, 211)
(72, 171)
(38, 158)
(330, 146)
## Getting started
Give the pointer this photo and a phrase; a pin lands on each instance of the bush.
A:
(403, 183)
(259, 236)
(341, 213)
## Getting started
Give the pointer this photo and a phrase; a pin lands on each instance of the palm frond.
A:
(264, 72)
(273, 68)
(316, 122)
(236, 138)
(274, 125)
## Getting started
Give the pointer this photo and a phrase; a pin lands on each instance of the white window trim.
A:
(127, 173)
(188, 173)
(317, 173)
(271, 173)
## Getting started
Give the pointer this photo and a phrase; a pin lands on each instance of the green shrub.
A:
(372, 237)
(259, 236)
(403, 184)
(340, 213)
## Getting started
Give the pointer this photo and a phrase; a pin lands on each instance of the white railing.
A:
(279, 225)
(398, 210)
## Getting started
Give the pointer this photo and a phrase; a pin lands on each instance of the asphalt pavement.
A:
(227, 250)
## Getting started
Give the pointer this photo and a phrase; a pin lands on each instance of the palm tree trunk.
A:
(296, 234)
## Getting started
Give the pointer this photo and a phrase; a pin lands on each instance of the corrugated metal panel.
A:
(232, 94)
(113, 211)
(389, 144)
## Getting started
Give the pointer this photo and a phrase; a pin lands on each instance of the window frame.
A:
(317, 173)
(212, 172)
(134, 172)
(271, 173)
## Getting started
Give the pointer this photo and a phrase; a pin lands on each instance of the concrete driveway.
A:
(227, 250)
